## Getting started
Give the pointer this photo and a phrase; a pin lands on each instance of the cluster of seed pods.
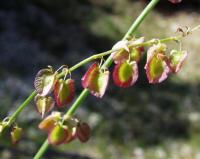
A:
(46, 82)
(62, 130)
(15, 131)
(159, 65)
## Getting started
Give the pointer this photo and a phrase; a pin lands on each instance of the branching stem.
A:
(107, 63)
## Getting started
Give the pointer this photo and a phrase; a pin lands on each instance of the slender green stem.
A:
(77, 103)
(107, 63)
(42, 150)
(141, 17)
(91, 58)
(21, 108)
(134, 27)
(100, 55)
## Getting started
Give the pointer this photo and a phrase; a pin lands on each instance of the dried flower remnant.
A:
(44, 81)
(83, 132)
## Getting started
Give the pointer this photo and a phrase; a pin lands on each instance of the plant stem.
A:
(73, 68)
(100, 55)
(107, 63)
(134, 27)
(42, 150)
(140, 18)
(77, 103)
(21, 108)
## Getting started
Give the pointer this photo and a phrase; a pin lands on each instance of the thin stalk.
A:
(107, 63)
(21, 108)
(134, 27)
(100, 55)
(42, 150)
(140, 19)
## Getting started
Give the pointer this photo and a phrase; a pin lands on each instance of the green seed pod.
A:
(176, 60)
(50, 121)
(58, 135)
(44, 104)
(16, 134)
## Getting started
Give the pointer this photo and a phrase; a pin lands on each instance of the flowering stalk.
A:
(87, 60)
(107, 63)
(174, 61)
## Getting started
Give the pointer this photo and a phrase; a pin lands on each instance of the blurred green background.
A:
(142, 122)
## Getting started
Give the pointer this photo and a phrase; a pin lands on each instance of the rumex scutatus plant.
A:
(56, 88)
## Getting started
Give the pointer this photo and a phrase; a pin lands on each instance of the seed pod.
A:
(125, 74)
(120, 56)
(58, 134)
(50, 121)
(83, 132)
(64, 92)
(176, 60)
(136, 54)
(44, 104)
(71, 136)
(175, 1)
(16, 134)
(156, 67)
(44, 81)
(1, 128)
(96, 80)
(123, 55)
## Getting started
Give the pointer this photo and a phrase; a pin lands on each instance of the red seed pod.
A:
(176, 60)
(156, 67)
(125, 53)
(64, 92)
(83, 132)
(125, 74)
(71, 136)
(120, 56)
(96, 80)
(58, 135)
(44, 104)
(16, 134)
(44, 81)
(50, 121)
(175, 1)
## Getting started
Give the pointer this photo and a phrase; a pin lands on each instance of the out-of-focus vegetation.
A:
(142, 122)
